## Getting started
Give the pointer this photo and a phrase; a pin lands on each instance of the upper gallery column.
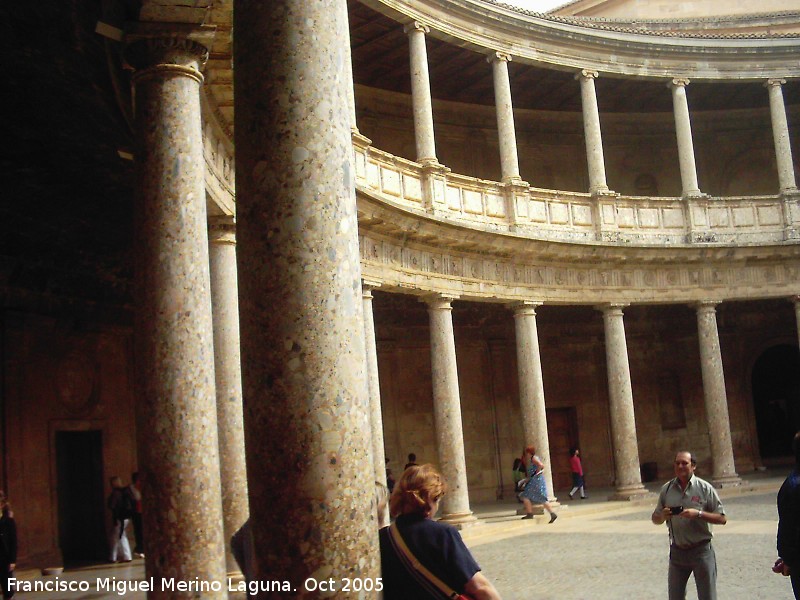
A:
(780, 133)
(531, 386)
(716, 399)
(447, 412)
(227, 366)
(421, 94)
(373, 384)
(683, 130)
(176, 401)
(306, 411)
(620, 397)
(509, 161)
(591, 127)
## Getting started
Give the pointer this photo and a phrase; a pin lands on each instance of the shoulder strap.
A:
(416, 568)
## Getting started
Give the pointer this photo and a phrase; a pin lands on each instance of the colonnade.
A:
(424, 134)
(307, 386)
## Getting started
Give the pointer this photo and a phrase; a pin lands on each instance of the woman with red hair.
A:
(535, 491)
(446, 563)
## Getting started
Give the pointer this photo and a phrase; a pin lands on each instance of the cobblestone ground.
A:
(622, 555)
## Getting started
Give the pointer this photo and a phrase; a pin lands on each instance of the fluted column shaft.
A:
(447, 411)
(780, 134)
(716, 398)
(531, 386)
(620, 396)
(509, 161)
(421, 94)
(227, 366)
(373, 384)
(176, 400)
(306, 411)
(683, 131)
(591, 128)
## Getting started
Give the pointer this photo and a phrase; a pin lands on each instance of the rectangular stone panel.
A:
(718, 217)
(390, 182)
(769, 215)
(473, 202)
(454, 198)
(649, 218)
(581, 214)
(361, 165)
(626, 217)
(412, 188)
(673, 218)
(373, 175)
(495, 205)
(559, 213)
(537, 211)
(743, 216)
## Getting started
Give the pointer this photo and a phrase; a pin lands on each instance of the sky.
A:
(536, 5)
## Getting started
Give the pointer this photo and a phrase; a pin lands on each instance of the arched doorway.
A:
(776, 399)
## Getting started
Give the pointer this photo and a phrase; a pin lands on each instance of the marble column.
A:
(421, 94)
(591, 128)
(306, 410)
(780, 133)
(373, 385)
(447, 412)
(683, 130)
(531, 386)
(176, 400)
(509, 161)
(620, 397)
(227, 366)
(716, 399)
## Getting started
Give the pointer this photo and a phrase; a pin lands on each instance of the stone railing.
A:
(571, 216)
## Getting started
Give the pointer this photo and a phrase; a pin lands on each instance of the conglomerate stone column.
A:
(306, 411)
(421, 94)
(531, 386)
(719, 427)
(227, 366)
(591, 128)
(374, 387)
(509, 161)
(620, 396)
(683, 131)
(176, 402)
(780, 133)
(447, 412)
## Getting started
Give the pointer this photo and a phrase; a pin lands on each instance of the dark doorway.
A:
(562, 434)
(776, 399)
(81, 510)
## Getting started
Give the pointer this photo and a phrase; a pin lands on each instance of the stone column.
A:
(591, 127)
(683, 130)
(176, 402)
(509, 161)
(373, 384)
(447, 412)
(796, 302)
(620, 397)
(306, 411)
(421, 94)
(227, 366)
(724, 474)
(780, 133)
(531, 386)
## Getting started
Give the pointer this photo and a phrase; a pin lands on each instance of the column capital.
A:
(612, 308)
(678, 82)
(587, 74)
(416, 26)
(439, 301)
(525, 307)
(707, 305)
(499, 56)
(222, 230)
(774, 82)
(167, 48)
(795, 299)
(367, 285)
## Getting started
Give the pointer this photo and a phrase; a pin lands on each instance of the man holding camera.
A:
(690, 505)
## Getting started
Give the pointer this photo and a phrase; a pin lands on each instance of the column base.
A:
(460, 520)
(631, 492)
(727, 481)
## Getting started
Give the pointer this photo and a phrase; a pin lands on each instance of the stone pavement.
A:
(596, 550)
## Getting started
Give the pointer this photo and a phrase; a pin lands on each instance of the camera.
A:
(676, 510)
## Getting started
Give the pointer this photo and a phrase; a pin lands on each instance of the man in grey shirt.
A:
(690, 505)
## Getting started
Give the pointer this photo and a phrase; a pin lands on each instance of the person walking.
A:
(135, 490)
(788, 562)
(577, 473)
(690, 505)
(535, 491)
(121, 505)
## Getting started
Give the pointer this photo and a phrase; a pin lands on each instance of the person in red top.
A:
(577, 473)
